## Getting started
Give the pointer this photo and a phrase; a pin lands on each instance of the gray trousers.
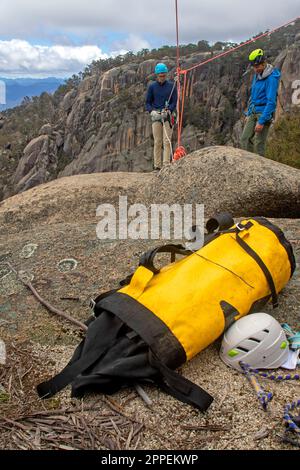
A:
(252, 141)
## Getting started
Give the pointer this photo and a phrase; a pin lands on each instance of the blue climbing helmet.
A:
(161, 68)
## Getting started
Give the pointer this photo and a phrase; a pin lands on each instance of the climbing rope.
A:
(274, 377)
(263, 397)
(246, 43)
(180, 151)
(292, 422)
(168, 138)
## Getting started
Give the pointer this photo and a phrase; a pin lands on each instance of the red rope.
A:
(178, 74)
(182, 92)
(180, 120)
(241, 45)
(177, 34)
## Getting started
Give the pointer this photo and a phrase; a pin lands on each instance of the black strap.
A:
(179, 387)
(100, 297)
(259, 261)
(147, 259)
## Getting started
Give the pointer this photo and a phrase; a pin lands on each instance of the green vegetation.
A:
(284, 143)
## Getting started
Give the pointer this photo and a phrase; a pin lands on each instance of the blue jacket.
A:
(264, 91)
(158, 94)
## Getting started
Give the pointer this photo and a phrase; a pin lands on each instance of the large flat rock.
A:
(230, 179)
(221, 178)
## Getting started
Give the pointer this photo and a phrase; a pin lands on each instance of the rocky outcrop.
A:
(101, 125)
(221, 178)
(288, 62)
(46, 129)
(229, 179)
(35, 166)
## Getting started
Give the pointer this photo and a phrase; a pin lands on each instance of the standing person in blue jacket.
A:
(262, 104)
(161, 103)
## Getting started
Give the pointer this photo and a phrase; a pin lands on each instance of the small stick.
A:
(143, 394)
(209, 427)
(47, 304)
(59, 412)
(27, 372)
(70, 298)
(17, 425)
(130, 436)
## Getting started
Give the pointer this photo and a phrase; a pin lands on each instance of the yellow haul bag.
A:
(201, 293)
(161, 318)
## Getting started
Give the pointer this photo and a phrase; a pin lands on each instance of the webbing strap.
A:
(260, 263)
(181, 388)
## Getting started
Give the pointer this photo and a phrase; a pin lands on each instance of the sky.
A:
(58, 38)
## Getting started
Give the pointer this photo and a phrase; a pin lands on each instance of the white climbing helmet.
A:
(257, 340)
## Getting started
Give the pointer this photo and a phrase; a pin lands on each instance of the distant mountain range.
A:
(18, 88)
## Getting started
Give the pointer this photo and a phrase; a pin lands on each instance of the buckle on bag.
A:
(240, 227)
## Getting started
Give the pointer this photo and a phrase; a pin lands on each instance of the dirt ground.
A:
(40, 344)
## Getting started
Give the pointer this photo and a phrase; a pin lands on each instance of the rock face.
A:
(230, 179)
(68, 199)
(35, 166)
(289, 90)
(101, 125)
(221, 178)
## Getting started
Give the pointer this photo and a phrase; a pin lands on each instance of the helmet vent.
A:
(242, 349)
(254, 339)
(266, 331)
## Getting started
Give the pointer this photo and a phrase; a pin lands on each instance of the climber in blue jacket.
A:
(262, 104)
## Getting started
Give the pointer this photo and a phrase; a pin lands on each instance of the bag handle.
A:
(147, 259)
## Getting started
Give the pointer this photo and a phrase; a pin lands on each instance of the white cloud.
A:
(19, 57)
(146, 25)
(132, 43)
(205, 19)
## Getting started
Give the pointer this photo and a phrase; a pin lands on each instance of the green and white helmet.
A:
(257, 340)
(257, 57)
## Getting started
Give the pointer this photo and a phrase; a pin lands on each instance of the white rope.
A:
(170, 143)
